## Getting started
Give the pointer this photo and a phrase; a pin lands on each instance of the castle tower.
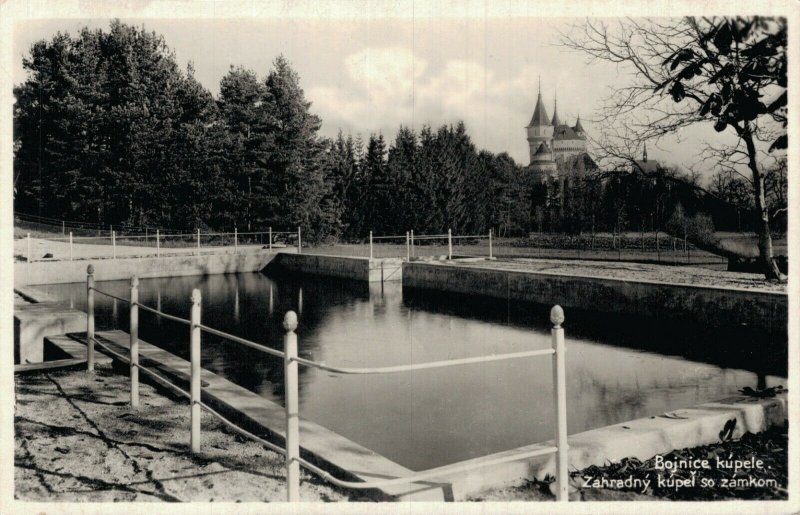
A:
(540, 137)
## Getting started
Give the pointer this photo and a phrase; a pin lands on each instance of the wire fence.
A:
(115, 245)
(291, 361)
(652, 247)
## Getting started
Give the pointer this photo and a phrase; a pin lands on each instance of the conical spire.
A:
(578, 127)
(644, 156)
(556, 119)
(539, 113)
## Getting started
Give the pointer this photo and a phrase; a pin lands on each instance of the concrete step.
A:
(35, 321)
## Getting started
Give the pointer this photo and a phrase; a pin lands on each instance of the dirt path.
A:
(77, 439)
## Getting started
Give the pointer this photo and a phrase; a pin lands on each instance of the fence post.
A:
(235, 240)
(449, 244)
(134, 346)
(292, 425)
(299, 241)
(63, 228)
(370, 244)
(490, 243)
(412, 243)
(158, 243)
(198, 241)
(270, 238)
(194, 357)
(114, 243)
(408, 248)
(560, 394)
(30, 257)
(90, 318)
(70, 245)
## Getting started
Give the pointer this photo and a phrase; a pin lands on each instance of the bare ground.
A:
(77, 439)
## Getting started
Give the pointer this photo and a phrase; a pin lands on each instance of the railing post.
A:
(194, 357)
(198, 241)
(299, 242)
(490, 244)
(560, 394)
(235, 240)
(370, 244)
(30, 256)
(158, 242)
(90, 318)
(270, 238)
(70, 245)
(292, 422)
(412, 243)
(134, 345)
(408, 248)
(449, 244)
(114, 243)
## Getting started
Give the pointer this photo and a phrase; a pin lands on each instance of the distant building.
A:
(646, 165)
(554, 146)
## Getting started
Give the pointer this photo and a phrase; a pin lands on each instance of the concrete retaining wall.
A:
(356, 268)
(55, 272)
(698, 303)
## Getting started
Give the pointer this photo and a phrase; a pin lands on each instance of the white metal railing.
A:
(157, 243)
(291, 360)
(412, 242)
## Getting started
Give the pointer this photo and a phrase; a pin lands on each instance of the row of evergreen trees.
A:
(109, 129)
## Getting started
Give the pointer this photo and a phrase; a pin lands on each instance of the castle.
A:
(552, 142)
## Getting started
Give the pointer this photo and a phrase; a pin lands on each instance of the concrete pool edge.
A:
(641, 438)
(699, 303)
(62, 272)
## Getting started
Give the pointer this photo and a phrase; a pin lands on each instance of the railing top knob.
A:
(134, 281)
(196, 297)
(290, 321)
(90, 269)
(557, 315)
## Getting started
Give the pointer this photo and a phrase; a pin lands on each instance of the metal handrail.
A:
(292, 360)
(426, 474)
(421, 366)
(162, 314)
(243, 341)
(127, 301)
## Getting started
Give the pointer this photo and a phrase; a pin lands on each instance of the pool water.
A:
(618, 368)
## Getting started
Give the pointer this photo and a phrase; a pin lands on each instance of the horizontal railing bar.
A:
(164, 315)
(244, 432)
(186, 394)
(474, 236)
(424, 474)
(146, 370)
(243, 341)
(421, 366)
(402, 236)
(109, 295)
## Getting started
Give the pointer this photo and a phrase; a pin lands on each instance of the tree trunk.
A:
(764, 236)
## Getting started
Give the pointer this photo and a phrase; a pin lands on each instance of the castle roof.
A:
(543, 149)
(556, 120)
(539, 114)
(578, 127)
(563, 132)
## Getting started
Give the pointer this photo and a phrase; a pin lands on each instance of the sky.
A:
(373, 75)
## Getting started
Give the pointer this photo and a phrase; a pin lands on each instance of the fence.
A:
(653, 247)
(115, 244)
(291, 361)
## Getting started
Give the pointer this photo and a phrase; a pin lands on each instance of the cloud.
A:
(386, 87)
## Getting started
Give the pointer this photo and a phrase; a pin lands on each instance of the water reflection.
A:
(617, 369)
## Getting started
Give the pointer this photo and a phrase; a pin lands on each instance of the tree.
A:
(729, 72)
(296, 185)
